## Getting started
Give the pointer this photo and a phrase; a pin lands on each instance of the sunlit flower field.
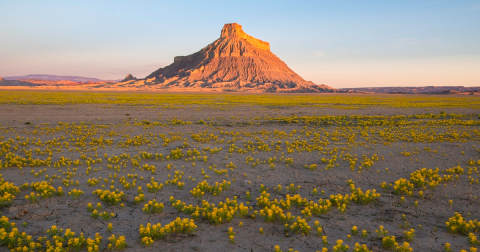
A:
(237, 172)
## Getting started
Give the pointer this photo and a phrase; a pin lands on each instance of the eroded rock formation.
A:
(234, 61)
(129, 77)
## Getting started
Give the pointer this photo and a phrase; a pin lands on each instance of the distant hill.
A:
(412, 90)
(49, 77)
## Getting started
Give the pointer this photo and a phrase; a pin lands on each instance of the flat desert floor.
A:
(244, 176)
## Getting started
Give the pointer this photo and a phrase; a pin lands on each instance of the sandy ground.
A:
(65, 212)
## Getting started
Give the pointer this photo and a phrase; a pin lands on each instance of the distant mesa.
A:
(414, 90)
(5, 82)
(235, 61)
(129, 77)
(45, 80)
(49, 77)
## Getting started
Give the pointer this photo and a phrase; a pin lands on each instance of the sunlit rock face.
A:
(235, 60)
(235, 31)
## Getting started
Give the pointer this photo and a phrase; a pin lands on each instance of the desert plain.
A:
(97, 171)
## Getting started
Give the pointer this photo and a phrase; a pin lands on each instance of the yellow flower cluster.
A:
(92, 181)
(59, 241)
(154, 186)
(472, 239)
(405, 247)
(340, 247)
(409, 235)
(311, 167)
(231, 235)
(104, 215)
(299, 226)
(46, 190)
(472, 162)
(273, 213)
(7, 192)
(182, 206)
(289, 161)
(153, 207)
(446, 247)
(320, 207)
(118, 243)
(360, 248)
(69, 183)
(150, 233)
(75, 193)
(10, 235)
(388, 242)
(296, 200)
(177, 180)
(263, 188)
(220, 172)
(32, 197)
(263, 200)
(421, 178)
(92, 245)
(381, 232)
(424, 177)
(318, 227)
(354, 230)
(176, 153)
(231, 165)
(90, 207)
(150, 168)
(14, 160)
(457, 224)
(363, 198)
(126, 184)
(455, 170)
(221, 214)
(340, 201)
(197, 192)
(110, 197)
(215, 189)
(403, 186)
(138, 199)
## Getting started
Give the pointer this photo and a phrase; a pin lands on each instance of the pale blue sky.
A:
(338, 43)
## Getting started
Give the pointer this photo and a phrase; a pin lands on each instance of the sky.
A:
(338, 43)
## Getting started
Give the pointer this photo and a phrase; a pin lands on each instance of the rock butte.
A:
(129, 77)
(235, 61)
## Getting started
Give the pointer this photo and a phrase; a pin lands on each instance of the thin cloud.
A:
(318, 54)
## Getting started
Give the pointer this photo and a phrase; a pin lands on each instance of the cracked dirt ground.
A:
(246, 126)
